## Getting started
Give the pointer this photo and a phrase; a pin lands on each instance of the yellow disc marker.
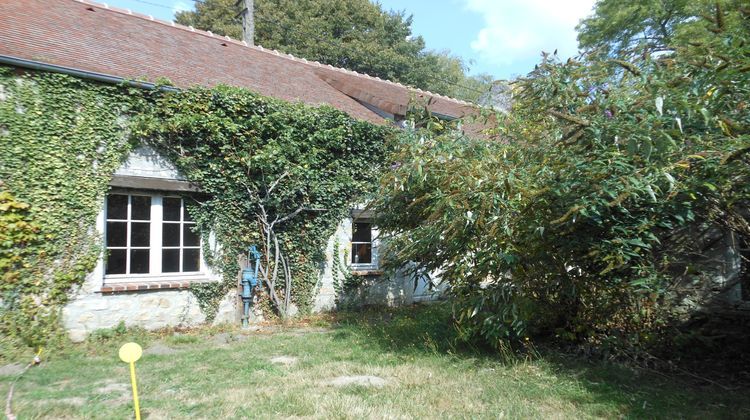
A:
(129, 353)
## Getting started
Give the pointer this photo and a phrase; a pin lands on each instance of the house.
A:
(152, 255)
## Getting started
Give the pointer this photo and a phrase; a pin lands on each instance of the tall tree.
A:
(620, 28)
(447, 74)
(354, 34)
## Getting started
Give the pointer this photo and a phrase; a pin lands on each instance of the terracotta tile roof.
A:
(93, 37)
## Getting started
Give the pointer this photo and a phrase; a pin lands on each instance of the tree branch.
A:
(293, 214)
(275, 183)
(570, 118)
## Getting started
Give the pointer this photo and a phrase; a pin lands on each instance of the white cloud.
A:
(516, 31)
(181, 6)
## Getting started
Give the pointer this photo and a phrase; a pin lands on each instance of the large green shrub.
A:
(566, 222)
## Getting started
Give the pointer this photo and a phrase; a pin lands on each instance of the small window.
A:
(150, 234)
(361, 243)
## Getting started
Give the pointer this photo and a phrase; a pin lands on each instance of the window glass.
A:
(190, 238)
(361, 253)
(116, 260)
(140, 207)
(361, 243)
(170, 260)
(186, 214)
(361, 232)
(117, 234)
(191, 260)
(117, 207)
(172, 207)
(140, 234)
(139, 261)
(129, 228)
(177, 233)
(170, 235)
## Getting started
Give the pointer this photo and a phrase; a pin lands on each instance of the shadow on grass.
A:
(426, 330)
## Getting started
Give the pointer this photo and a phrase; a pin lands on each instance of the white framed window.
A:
(362, 243)
(149, 235)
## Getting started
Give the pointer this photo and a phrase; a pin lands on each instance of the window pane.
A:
(171, 207)
(191, 260)
(117, 206)
(139, 260)
(170, 260)
(140, 234)
(170, 234)
(362, 232)
(140, 207)
(361, 253)
(117, 233)
(186, 214)
(190, 238)
(115, 261)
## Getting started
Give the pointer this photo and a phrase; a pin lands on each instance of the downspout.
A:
(83, 74)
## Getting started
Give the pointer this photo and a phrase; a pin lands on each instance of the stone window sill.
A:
(367, 272)
(111, 288)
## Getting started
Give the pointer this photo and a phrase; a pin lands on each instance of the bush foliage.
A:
(564, 221)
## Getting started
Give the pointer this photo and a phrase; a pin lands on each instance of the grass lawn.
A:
(215, 373)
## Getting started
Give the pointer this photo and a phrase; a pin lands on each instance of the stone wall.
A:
(100, 303)
(92, 308)
(89, 311)
(146, 162)
(376, 288)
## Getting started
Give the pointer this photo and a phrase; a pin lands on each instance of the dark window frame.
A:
(362, 245)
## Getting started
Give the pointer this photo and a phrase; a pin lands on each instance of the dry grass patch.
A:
(424, 378)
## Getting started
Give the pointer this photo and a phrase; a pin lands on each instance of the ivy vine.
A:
(61, 138)
(259, 160)
(344, 281)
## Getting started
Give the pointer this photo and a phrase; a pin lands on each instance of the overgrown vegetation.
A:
(344, 281)
(274, 174)
(60, 140)
(277, 175)
(582, 217)
(626, 30)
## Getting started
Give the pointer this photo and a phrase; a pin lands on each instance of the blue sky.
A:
(503, 38)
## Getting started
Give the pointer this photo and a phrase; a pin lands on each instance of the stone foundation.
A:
(150, 310)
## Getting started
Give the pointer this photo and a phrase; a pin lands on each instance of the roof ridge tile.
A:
(265, 50)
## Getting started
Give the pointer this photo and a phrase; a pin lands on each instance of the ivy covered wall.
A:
(277, 175)
(61, 138)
